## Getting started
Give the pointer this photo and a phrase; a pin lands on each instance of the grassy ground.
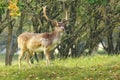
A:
(98, 67)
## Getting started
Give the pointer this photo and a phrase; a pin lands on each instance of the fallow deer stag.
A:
(36, 42)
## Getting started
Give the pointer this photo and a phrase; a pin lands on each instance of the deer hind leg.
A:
(29, 54)
(34, 56)
(47, 54)
(20, 57)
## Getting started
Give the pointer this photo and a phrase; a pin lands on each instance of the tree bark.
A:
(110, 43)
(117, 49)
(8, 45)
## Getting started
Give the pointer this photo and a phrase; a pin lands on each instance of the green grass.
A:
(98, 67)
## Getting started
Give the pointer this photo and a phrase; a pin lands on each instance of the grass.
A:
(98, 67)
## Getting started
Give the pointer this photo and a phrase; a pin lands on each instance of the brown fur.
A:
(34, 42)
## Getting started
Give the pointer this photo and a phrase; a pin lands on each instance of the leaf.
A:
(14, 9)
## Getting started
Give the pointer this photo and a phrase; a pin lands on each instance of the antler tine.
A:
(66, 17)
(44, 13)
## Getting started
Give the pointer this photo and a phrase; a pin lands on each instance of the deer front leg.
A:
(47, 55)
(20, 57)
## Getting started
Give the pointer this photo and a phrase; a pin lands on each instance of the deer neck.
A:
(57, 36)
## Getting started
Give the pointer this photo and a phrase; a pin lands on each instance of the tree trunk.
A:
(11, 46)
(35, 23)
(117, 49)
(110, 43)
(0, 17)
(8, 45)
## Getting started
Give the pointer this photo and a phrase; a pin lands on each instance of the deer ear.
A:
(55, 23)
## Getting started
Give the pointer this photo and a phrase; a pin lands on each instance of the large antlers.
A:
(44, 13)
(54, 21)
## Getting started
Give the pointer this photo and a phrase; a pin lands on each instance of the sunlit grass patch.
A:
(97, 67)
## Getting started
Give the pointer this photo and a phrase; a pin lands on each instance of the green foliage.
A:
(3, 5)
(21, 5)
(97, 1)
(98, 67)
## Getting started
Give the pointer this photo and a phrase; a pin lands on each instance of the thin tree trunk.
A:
(110, 43)
(117, 49)
(8, 45)
(14, 42)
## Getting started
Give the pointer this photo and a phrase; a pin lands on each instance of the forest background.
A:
(91, 23)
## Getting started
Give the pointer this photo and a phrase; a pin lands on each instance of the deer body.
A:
(37, 42)
(42, 41)
(34, 42)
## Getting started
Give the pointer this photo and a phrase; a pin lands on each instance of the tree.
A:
(12, 11)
